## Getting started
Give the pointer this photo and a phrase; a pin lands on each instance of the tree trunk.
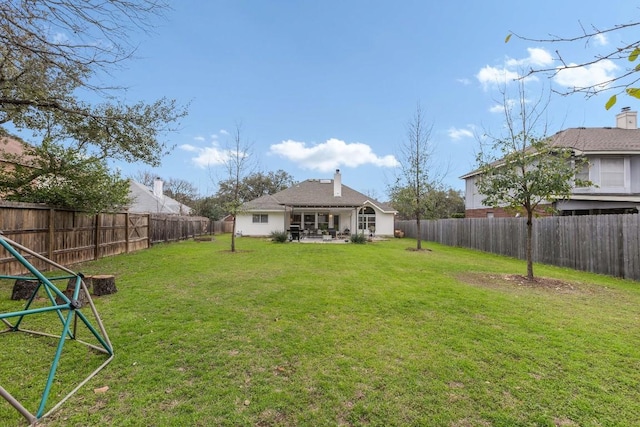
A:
(419, 232)
(529, 234)
(233, 235)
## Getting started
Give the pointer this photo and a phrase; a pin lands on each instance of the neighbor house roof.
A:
(145, 201)
(315, 193)
(10, 148)
(590, 141)
(599, 140)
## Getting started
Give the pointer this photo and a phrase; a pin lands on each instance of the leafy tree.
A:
(439, 204)
(625, 56)
(418, 175)
(63, 177)
(254, 185)
(53, 52)
(529, 171)
(209, 207)
(251, 187)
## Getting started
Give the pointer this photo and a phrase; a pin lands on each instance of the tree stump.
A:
(83, 299)
(24, 288)
(102, 284)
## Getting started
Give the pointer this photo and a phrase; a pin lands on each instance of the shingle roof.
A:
(593, 140)
(314, 193)
(599, 139)
(11, 149)
(144, 201)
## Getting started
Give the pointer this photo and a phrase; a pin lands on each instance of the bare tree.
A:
(625, 54)
(181, 190)
(144, 177)
(238, 164)
(524, 170)
(418, 173)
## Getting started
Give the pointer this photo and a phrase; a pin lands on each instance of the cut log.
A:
(24, 289)
(102, 284)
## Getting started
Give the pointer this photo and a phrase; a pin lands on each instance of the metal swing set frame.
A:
(68, 310)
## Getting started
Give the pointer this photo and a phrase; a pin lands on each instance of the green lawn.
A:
(341, 335)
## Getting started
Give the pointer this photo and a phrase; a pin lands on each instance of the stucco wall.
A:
(385, 224)
(246, 226)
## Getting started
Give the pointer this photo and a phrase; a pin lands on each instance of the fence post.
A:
(149, 230)
(96, 249)
(52, 232)
(126, 232)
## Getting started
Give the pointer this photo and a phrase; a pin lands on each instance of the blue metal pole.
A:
(34, 311)
(54, 366)
(31, 268)
(94, 332)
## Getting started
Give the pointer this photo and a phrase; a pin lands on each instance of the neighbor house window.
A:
(612, 172)
(583, 172)
(260, 218)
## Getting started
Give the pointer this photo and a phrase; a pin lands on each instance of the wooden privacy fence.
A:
(68, 237)
(604, 244)
(220, 227)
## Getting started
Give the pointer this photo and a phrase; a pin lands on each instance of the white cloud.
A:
(601, 39)
(497, 108)
(188, 147)
(492, 76)
(597, 74)
(457, 134)
(330, 155)
(537, 58)
(507, 106)
(212, 155)
(223, 132)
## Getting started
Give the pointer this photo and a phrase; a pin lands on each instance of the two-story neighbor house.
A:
(613, 155)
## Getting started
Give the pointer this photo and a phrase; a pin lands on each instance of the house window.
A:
(260, 218)
(309, 221)
(583, 172)
(367, 219)
(323, 221)
(612, 172)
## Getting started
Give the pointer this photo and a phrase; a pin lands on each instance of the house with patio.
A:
(613, 155)
(316, 207)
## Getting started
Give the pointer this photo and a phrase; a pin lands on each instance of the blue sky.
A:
(325, 85)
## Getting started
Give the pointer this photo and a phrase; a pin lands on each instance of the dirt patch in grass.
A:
(517, 281)
(418, 250)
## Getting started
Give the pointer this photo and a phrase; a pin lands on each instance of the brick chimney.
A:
(157, 188)
(337, 184)
(627, 119)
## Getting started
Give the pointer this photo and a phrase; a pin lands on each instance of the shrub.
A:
(279, 236)
(359, 238)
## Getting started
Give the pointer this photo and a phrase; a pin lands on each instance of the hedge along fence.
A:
(69, 237)
(604, 244)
